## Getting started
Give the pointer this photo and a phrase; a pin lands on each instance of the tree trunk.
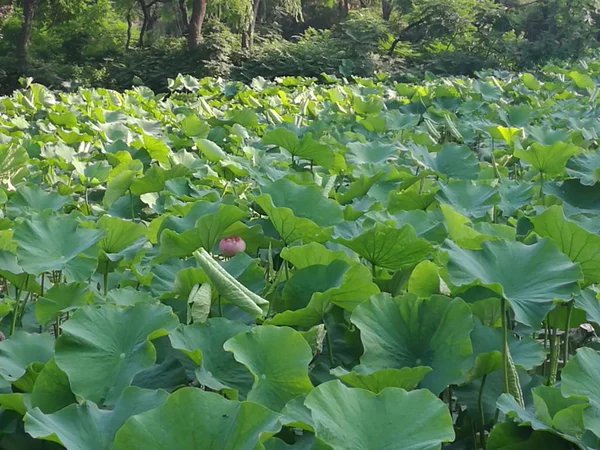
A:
(146, 12)
(196, 21)
(386, 9)
(22, 43)
(248, 39)
(342, 8)
(129, 27)
(184, 14)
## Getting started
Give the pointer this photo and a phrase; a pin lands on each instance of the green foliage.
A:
(417, 257)
(349, 48)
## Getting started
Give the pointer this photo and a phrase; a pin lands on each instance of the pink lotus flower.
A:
(232, 245)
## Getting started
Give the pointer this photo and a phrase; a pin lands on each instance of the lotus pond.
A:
(408, 266)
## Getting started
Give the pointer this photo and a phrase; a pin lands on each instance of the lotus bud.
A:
(232, 245)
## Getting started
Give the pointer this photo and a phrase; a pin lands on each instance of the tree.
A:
(196, 21)
(271, 9)
(25, 34)
(386, 9)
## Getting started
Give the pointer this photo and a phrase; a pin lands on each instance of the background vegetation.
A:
(117, 43)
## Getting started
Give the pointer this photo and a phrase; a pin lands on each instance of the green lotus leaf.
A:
(372, 105)
(356, 287)
(582, 80)
(199, 302)
(370, 152)
(452, 161)
(460, 229)
(579, 378)
(85, 426)
(33, 199)
(510, 436)
(299, 289)
(410, 200)
(356, 419)
(305, 201)
(468, 198)
(13, 162)
(302, 256)
(51, 391)
(531, 82)
(14, 273)
(514, 195)
(585, 198)
(468, 394)
(62, 298)
(155, 179)
(397, 121)
(203, 344)
(193, 419)
(210, 150)
(506, 134)
(66, 247)
(530, 277)
(193, 126)
(358, 188)
(21, 350)
(406, 378)
(586, 167)
(424, 280)
(290, 227)
(122, 239)
(128, 296)
(207, 231)
(428, 224)
(230, 288)
(156, 148)
(389, 247)
(307, 148)
(588, 301)
(551, 412)
(411, 332)
(487, 350)
(265, 351)
(118, 186)
(101, 349)
(548, 159)
(578, 244)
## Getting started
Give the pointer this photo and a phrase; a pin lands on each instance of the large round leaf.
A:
(305, 201)
(102, 348)
(578, 244)
(580, 377)
(452, 161)
(203, 344)
(51, 390)
(86, 427)
(389, 247)
(66, 247)
(529, 276)
(290, 227)
(468, 198)
(32, 199)
(356, 419)
(193, 419)
(278, 358)
(21, 350)
(61, 298)
(412, 332)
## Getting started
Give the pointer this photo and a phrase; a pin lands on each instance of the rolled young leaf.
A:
(230, 288)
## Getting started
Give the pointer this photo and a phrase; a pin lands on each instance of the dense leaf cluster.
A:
(421, 264)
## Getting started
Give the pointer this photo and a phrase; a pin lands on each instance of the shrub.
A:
(351, 47)
(167, 57)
